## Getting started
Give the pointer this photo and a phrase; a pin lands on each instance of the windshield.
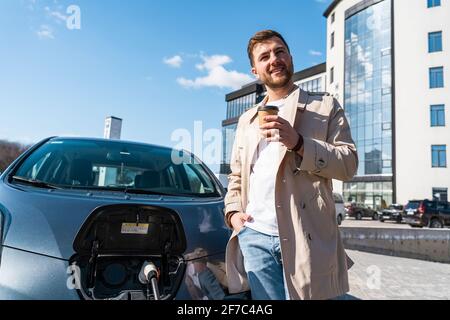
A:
(412, 205)
(115, 165)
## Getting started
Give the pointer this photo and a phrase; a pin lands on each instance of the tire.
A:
(436, 224)
(358, 216)
(339, 220)
(375, 216)
(381, 220)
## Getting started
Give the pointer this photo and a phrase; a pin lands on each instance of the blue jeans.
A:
(262, 262)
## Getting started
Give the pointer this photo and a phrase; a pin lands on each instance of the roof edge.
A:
(331, 8)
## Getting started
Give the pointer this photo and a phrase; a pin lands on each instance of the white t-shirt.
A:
(261, 198)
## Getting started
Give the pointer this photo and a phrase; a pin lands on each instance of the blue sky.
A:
(159, 65)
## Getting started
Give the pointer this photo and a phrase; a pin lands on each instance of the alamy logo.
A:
(374, 279)
(73, 281)
(73, 21)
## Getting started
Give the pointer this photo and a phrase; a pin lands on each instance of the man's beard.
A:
(279, 82)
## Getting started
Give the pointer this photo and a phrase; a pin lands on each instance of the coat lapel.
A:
(297, 100)
(254, 135)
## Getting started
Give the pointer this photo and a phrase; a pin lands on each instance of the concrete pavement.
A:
(380, 277)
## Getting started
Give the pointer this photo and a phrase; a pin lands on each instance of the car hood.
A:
(47, 222)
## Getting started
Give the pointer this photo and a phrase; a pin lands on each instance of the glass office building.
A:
(313, 85)
(368, 102)
(238, 106)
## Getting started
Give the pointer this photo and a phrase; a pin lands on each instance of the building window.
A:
(436, 77)
(332, 40)
(367, 88)
(437, 115)
(331, 75)
(439, 157)
(440, 194)
(434, 3)
(333, 17)
(435, 41)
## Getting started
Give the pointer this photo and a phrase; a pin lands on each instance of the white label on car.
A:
(133, 228)
(411, 212)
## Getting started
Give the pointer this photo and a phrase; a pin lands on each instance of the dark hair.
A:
(262, 36)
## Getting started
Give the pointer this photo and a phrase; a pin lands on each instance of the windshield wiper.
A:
(123, 189)
(181, 194)
(144, 191)
(35, 183)
(201, 195)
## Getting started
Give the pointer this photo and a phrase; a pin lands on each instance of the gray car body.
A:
(39, 227)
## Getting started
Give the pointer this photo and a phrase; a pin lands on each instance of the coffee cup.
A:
(264, 111)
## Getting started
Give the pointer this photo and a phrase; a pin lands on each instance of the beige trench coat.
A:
(314, 259)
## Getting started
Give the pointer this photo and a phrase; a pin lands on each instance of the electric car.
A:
(99, 219)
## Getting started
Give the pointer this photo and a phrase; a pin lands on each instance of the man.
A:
(285, 242)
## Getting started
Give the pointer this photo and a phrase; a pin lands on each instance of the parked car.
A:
(360, 210)
(427, 213)
(340, 209)
(100, 219)
(394, 212)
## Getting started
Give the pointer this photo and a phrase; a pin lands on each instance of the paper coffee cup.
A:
(266, 111)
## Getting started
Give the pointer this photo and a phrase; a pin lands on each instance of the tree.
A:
(9, 151)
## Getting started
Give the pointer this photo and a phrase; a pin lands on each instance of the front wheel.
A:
(358, 216)
(339, 220)
(375, 216)
(436, 224)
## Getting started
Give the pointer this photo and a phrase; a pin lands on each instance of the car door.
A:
(367, 211)
(438, 212)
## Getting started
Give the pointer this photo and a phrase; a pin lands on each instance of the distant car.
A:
(360, 210)
(99, 219)
(340, 209)
(427, 213)
(394, 212)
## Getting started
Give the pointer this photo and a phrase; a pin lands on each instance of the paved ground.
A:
(379, 277)
(369, 223)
